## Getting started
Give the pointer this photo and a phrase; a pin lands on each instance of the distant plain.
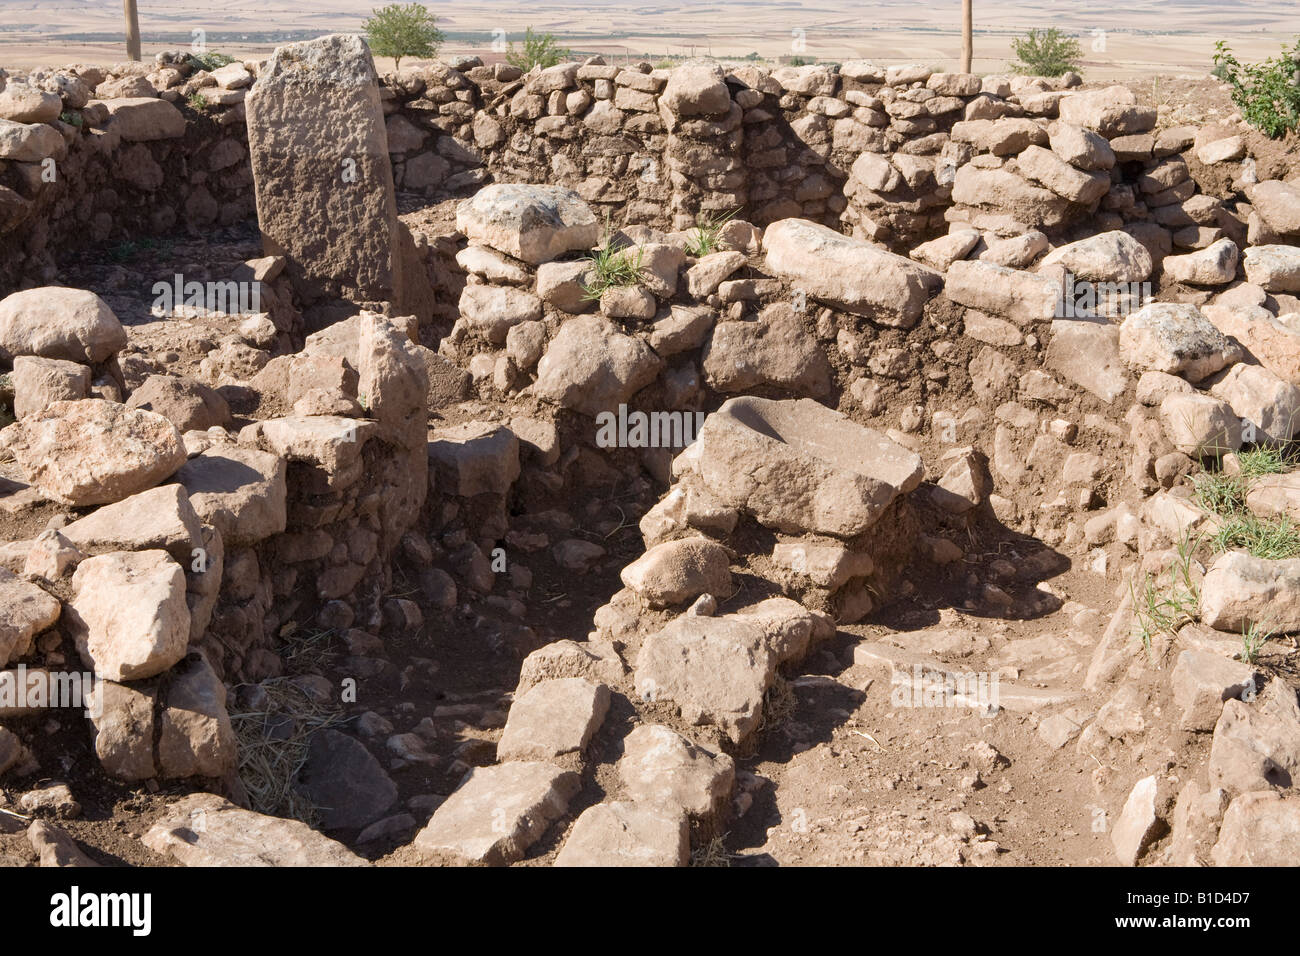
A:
(1143, 37)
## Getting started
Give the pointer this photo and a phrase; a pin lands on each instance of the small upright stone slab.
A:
(325, 197)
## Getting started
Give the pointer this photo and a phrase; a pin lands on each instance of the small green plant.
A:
(801, 61)
(1271, 538)
(71, 117)
(1224, 495)
(539, 49)
(1267, 93)
(705, 237)
(1168, 600)
(403, 29)
(1263, 460)
(209, 61)
(1253, 638)
(1046, 53)
(611, 266)
(197, 101)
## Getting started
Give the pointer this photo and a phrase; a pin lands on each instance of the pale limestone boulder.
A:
(94, 452)
(798, 466)
(129, 615)
(25, 611)
(1113, 256)
(532, 223)
(1260, 829)
(59, 323)
(40, 382)
(675, 572)
(853, 274)
(1175, 338)
(661, 768)
(1240, 590)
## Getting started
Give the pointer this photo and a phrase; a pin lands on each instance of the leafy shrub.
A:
(209, 61)
(540, 49)
(1046, 53)
(1267, 93)
(403, 29)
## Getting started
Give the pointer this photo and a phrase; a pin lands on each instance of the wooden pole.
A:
(967, 40)
(132, 30)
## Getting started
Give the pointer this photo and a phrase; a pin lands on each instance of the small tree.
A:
(399, 30)
(539, 49)
(1046, 53)
(1267, 93)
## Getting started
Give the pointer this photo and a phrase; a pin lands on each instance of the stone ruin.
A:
(928, 309)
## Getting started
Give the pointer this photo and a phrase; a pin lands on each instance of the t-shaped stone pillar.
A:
(325, 198)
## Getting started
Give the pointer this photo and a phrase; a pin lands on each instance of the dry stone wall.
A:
(896, 155)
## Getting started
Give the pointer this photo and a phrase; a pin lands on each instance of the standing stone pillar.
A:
(324, 184)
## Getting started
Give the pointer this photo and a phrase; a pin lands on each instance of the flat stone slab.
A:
(660, 767)
(206, 830)
(554, 718)
(1086, 353)
(798, 466)
(330, 442)
(854, 274)
(1136, 822)
(160, 518)
(318, 149)
(240, 491)
(627, 834)
(498, 812)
